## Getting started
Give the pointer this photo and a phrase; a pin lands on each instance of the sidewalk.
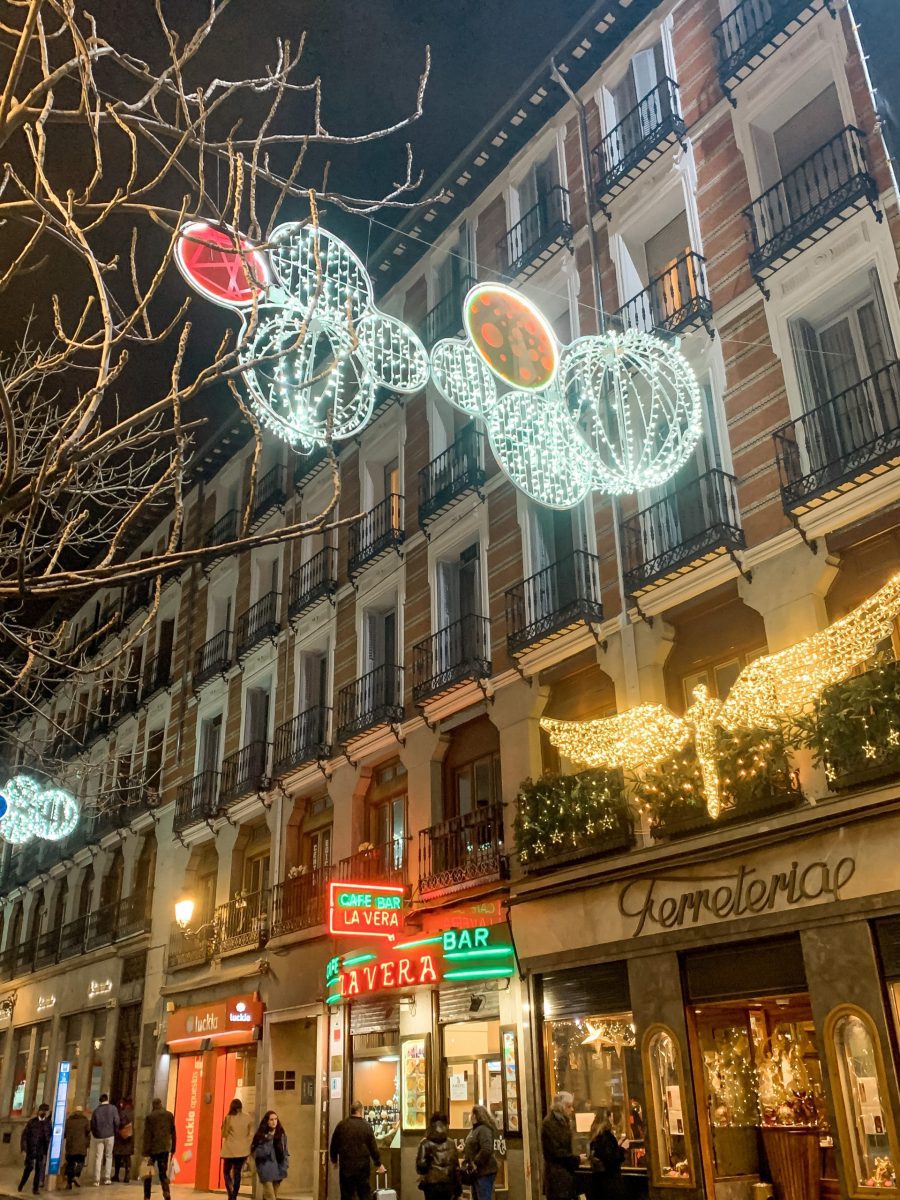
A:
(10, 1176)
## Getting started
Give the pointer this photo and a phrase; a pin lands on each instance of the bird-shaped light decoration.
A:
(769, 690)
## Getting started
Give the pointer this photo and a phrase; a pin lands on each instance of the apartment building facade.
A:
(363, 707)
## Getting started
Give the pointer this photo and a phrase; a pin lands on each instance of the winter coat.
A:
(77, 1133)
(479, 1150)
(104, 1121)
(237, 1134)
(437, 1159)
(271, 1158)
(159, 1132)
(606, 1167)
(560, 1163)
(353, 1143)
(124, 1146)
(36, 1137)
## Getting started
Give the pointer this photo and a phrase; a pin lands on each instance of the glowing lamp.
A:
(184, 912)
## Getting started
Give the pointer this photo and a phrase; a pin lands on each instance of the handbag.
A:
(126, 1131)
(145, 1170)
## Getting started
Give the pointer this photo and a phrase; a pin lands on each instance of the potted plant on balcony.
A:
(565, 818)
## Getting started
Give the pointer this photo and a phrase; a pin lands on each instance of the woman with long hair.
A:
(270, 1153)
(237, 1131)
(606, 1156)
(479, 1160)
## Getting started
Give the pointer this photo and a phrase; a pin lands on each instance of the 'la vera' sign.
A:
(371, 910)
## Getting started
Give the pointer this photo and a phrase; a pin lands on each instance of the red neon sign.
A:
(389, 973)
(206, 257)
(372, 910)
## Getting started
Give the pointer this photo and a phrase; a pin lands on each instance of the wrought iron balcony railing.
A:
(157, 675)
(313, 581)
(101, 926)
(462, 851)
(47, 950)
(554, 601)
(259, 622)
(807, 203)
(188, 950)
(842, 443)
(654, 124)
(244, 773)
(133, 916)
(299, 903)
(544, 229)
(452, 475)
(456, 654)
(271, 492)
(753, 31)
(445, 319)
(23, 957)
(369, 702)
(196, 800)
(304, 739)
(213, 658)
(680, 532)
(376, 532)
(674, 301)
(309, 465)
(381, 864)
(71, 937)
(243, 922)
(224, 530)
(126, 701)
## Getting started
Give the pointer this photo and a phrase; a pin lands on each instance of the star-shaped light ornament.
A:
(314, 347)
(893, 737)
(618, 412)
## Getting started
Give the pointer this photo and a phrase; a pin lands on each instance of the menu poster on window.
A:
(414, 1083)
(673, 1111)
(510, 1056)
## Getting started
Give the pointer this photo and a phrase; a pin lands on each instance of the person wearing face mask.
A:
(270, 1153)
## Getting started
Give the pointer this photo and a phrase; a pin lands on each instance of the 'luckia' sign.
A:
(371, 910)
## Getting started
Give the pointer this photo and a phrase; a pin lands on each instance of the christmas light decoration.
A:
(771, 689)
(314, 347)
(617, 412)
(29, 810)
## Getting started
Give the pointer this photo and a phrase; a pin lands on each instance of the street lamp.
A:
(184, 912)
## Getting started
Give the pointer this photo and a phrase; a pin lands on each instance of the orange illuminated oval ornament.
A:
(511, 336)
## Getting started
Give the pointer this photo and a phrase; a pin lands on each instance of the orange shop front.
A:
(213, 1061)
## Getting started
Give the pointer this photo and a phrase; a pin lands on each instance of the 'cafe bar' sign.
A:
(370, 910)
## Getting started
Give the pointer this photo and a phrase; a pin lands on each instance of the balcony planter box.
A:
(562, 819)
(881, 770)
(611, 841)
(692, 819)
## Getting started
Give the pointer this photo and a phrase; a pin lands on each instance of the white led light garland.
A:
(29, 810)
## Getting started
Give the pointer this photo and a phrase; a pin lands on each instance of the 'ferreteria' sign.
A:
(663, 902)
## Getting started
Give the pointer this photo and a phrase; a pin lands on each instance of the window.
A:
(459, 586)
(671, 1151)
(210, 741)
(256, 874)
(20, 1053)
(381, 645)
(256, 715)
(72, 1049)
(317, 849)
(476, 784)
(375, 1083)
(98, 1042)
(285, 1081)
(553, 537)
(387, 817)
(455, 268)
(43, 1059)
(153, 763)
(636, 106)
(542, 176)
(313, 680)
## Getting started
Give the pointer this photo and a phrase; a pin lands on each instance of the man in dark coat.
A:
(560, 1162)
(353, 1147)
(35, 1145)
(77, 1133)
(158, 1144)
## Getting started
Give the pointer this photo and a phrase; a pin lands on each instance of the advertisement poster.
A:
(414, 1083)
(188, 1095)
(510, 1078)
(59, 1116)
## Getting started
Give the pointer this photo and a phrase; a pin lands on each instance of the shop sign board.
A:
(370, 910)
(236, 1016)
(59, 1116)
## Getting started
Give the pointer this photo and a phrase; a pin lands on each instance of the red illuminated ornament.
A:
(511, 336)
(207, 257)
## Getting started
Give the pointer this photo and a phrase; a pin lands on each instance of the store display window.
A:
(671, 1151)
(596, 1059)
(98, 1041)
(473, 1074)
(21, 1048)
(868, 1133)
(376, 1083)
(43, 1060)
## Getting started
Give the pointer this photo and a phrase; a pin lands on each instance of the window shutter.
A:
(808, 358)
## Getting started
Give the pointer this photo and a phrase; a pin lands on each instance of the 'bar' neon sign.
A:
(372, 910)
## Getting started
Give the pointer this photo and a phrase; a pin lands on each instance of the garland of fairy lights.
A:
(768, 691)
(29, 810)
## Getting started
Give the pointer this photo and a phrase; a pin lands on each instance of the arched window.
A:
(671, 1159)
(111, 889)
(15, 926)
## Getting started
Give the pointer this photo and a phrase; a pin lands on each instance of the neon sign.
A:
(372, 910)
(455, 954)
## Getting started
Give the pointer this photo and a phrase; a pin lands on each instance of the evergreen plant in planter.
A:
(565, 818)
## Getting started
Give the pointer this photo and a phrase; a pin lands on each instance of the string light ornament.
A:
(618, 412)
(770, 690)
(314, 347)
(30, 811)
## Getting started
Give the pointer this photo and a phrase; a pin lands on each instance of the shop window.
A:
(472, 1072)
(596, 1059)
(869, 1139)
(21, 1047)
(43, 1059)
(670, 1151)
(376, 1085)
(98, 1041)
(72, 1049)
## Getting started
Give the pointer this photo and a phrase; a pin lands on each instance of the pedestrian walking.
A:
(560, 1160)
(158, 1144)
(104, 1123)
(77, 1133)
(123, 1146)
(270, 1153)
(353, 1149)
(479, 1160)
(437, 1162)
(606, 1158)
(35, 1144)
(237, 1134)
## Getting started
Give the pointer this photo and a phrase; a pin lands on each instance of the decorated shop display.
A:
(414, 1062)
(671, 1162)
(30, 810)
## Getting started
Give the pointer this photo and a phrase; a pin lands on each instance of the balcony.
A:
(370, 702)
(126, 702)
(244, 922)
(452, 475)
(244, 773)
(157, 675)
(841, 444)
(696, 524)
(224, 530)
(554, 601)
(376, 533)
(136, 596)
(312, 582)
(463, 851)
(271, 493)
(381, 864)
(259, 622)
(23, 957)
(47, 950)
(133, 916)
(675, 302)
(196, 800)
(309, 465)
(299, 903)
(302, 740)
(753, 31)
(460, 653)
(540, 234)
(213, 658)
(445, 319)
(825, 190)
(101, 927)
(71, 937)
(188, 950)
(638, 140)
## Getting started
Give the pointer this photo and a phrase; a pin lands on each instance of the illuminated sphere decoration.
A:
(29, 811)
(617, 412)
